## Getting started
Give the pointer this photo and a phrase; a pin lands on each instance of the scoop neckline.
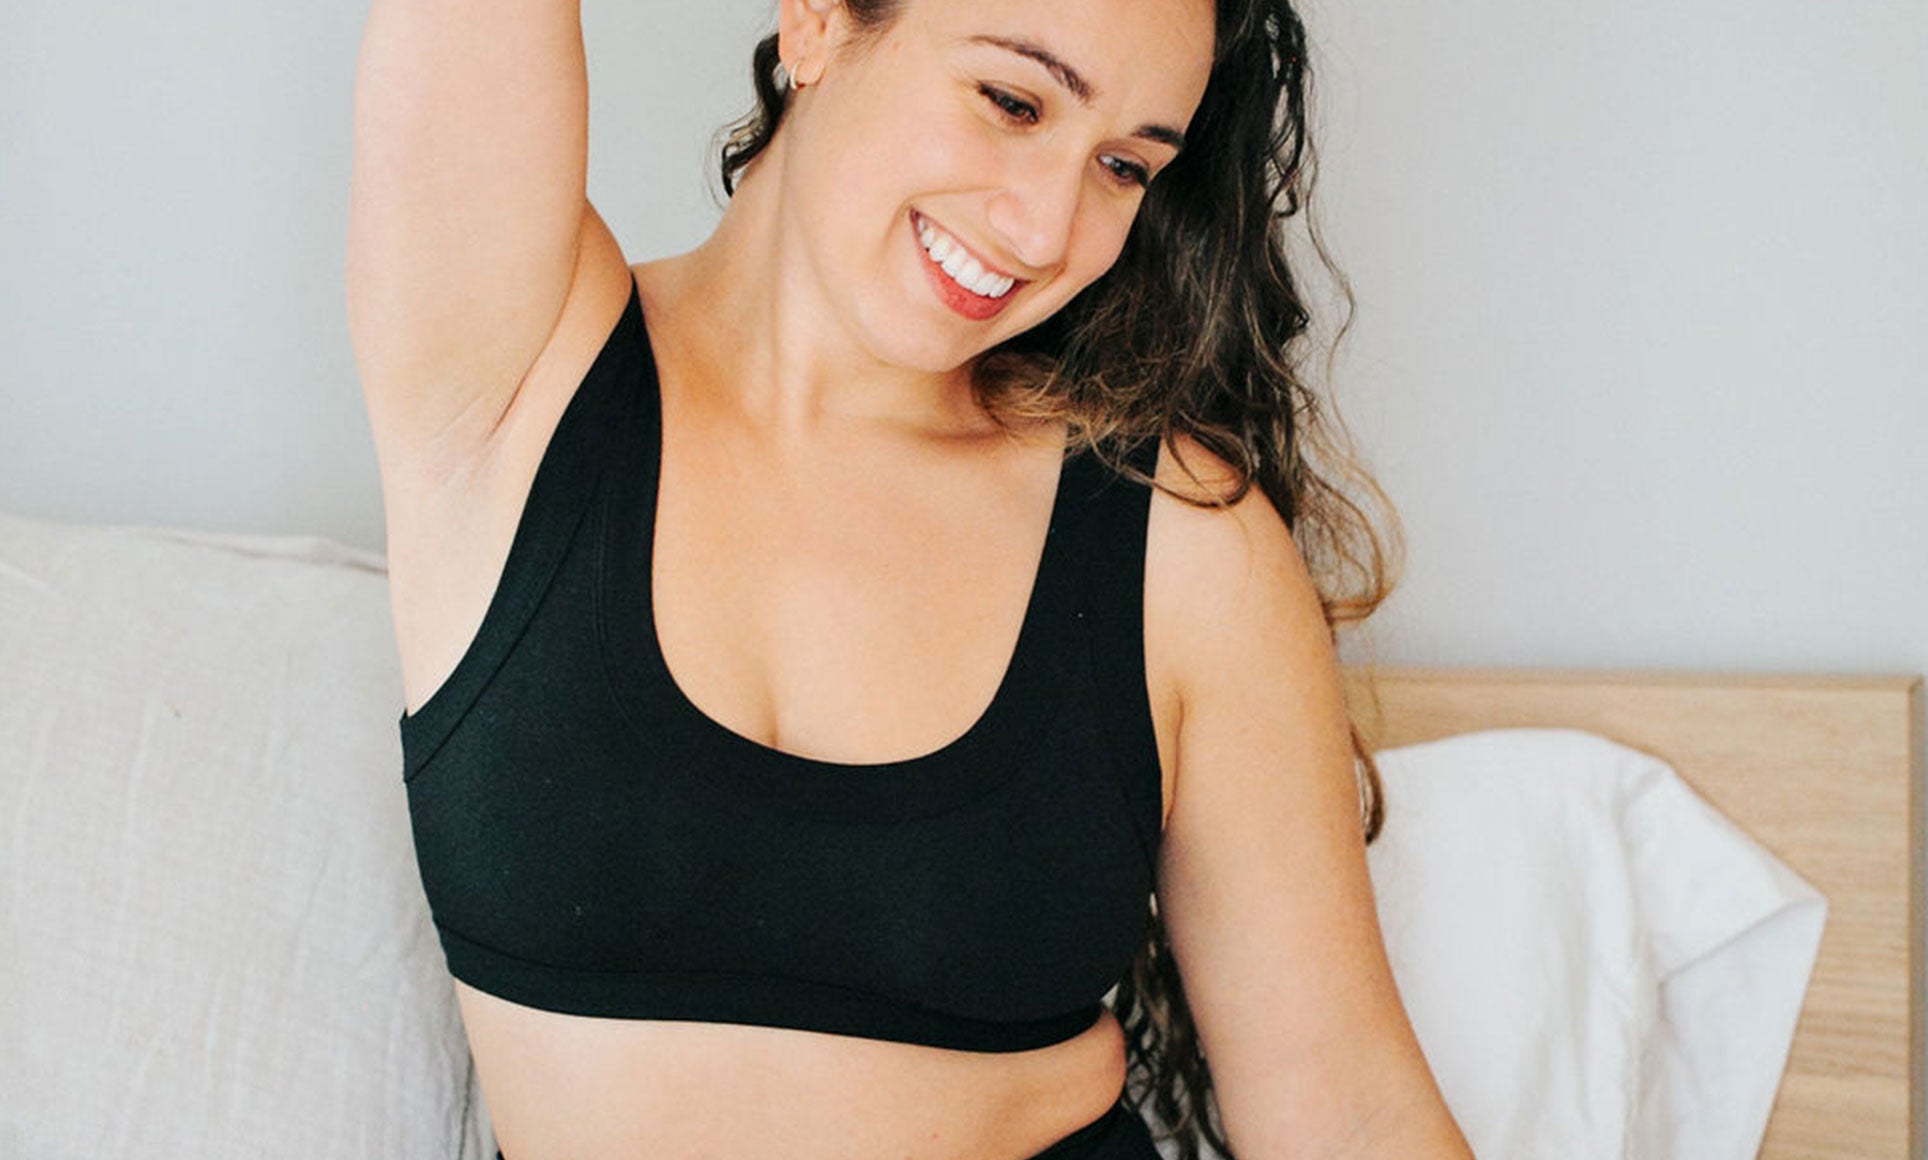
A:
(1024, 689)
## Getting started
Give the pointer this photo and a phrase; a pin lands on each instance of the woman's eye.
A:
(1124, 172)
(1011, 106)
(1127, 171)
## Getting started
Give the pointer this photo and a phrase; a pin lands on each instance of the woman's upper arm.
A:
(1262, 880)
(467, 205)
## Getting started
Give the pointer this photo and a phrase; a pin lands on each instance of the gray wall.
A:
(1640, 351)
(1642, 346)
(173, 201)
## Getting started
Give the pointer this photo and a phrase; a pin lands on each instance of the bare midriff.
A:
(567, 1086)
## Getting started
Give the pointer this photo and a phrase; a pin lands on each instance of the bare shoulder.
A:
(1208, 560)
(1229, 603)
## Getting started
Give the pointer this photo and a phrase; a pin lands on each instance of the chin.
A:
(934, 359)
(927, 346)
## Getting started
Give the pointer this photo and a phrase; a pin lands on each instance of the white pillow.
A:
(213, 941)
(1596, 962)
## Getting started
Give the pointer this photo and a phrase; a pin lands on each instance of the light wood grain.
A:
(1824, 771)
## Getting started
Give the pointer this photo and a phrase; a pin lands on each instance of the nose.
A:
(1034, 212)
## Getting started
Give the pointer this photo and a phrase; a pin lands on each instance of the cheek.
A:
(923, 141)
(935, 151)
(1097, 240)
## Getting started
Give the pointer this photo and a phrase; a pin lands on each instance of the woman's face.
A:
(1004, 141)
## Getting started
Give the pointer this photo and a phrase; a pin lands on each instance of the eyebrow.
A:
(1075, 83)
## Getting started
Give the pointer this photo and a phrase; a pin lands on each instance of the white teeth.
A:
(963, 269)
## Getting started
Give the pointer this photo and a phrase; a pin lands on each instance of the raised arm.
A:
(467, 209)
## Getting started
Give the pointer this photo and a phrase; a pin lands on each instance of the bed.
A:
(1825, 771)
(213, 942)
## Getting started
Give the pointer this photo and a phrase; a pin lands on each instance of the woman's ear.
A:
(805, 29)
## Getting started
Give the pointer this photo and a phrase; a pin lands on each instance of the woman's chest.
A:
(833, 628)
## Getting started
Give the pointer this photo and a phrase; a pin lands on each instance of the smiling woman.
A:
(1008, 147)
(870, 679)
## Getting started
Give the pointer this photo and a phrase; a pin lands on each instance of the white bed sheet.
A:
(1596, 962)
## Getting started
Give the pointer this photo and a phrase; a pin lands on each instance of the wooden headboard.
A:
(1824, 771)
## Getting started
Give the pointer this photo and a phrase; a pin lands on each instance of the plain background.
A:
(1641, 349)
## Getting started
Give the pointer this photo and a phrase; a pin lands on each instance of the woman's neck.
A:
(762, 326)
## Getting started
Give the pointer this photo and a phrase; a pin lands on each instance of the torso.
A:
(838, 525)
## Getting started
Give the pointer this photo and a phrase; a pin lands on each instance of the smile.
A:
(959, 263)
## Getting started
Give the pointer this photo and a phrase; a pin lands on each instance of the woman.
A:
(747, 828)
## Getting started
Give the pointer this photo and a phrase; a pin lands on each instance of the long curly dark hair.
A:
(1200, 328)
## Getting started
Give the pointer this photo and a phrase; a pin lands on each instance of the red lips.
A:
(975, 307)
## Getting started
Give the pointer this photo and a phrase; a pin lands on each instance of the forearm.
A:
(1388, 1120)
(1414, 1129)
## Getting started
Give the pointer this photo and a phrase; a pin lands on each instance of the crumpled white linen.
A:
(1596, 962)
